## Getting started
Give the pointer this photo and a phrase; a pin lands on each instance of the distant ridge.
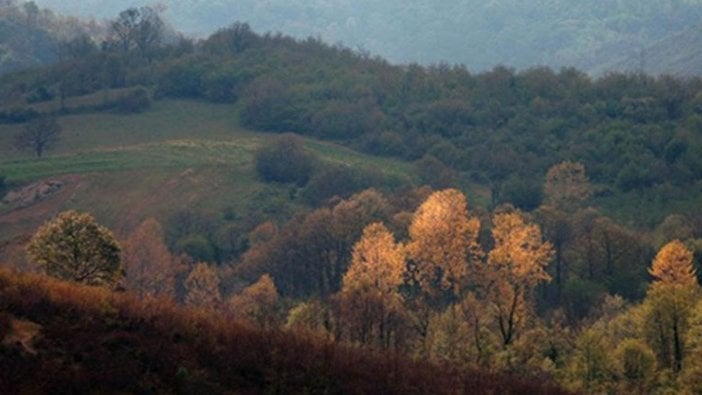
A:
(679, 54)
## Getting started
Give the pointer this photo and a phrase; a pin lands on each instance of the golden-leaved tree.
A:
(258, 303)
(516, 265)
(150, 268)
(371, 303)
(73, 246)
(443, 247)
(669, 304)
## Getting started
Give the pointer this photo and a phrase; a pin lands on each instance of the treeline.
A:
(501, 128)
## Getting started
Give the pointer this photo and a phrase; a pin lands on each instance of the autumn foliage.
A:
(98, 341)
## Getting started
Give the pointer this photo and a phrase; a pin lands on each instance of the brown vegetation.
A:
(93, 339)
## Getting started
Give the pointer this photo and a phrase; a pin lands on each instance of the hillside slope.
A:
(179, 156)
(57, 337)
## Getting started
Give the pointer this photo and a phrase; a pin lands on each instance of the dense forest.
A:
(549, 225)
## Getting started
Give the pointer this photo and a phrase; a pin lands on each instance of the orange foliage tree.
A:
(669, 303)
(516, 265)
(150, 268)
(443, 247)
(371, 303)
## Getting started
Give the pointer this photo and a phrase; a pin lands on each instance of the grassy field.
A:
(177, 155)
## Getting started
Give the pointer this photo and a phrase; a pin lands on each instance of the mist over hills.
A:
(585, 34)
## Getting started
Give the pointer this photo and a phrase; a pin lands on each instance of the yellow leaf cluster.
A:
(378, 263)
(673, 265)
(519, 252)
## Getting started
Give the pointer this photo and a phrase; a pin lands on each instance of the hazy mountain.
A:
(678, 54)
(480, 34)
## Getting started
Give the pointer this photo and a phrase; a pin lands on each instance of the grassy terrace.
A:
(173, 134)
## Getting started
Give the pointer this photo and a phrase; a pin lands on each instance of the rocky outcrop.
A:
(33, 193)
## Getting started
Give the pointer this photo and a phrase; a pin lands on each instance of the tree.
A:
(567, 185)
(443, 246)
(123, 28)
(637, 365)
(39, 135)
(692, 369)
(669, 304)
(149, 266)
(202, 287)
(673, 265)
(285, 161)
(370, 298)
(140, 28)
(258, 303)
(72, 246)
(516, 265)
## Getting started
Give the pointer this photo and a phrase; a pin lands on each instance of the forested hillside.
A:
(537, 224)
(479, 34)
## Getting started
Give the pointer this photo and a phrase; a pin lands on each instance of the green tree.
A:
(637, 365)
(74, 247)
(285, 161)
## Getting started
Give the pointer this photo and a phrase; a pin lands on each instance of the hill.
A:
(584, 34)
(57, 337)
(181, 155)
(677, 54)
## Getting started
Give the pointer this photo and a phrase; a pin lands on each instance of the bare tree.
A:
(39, 135)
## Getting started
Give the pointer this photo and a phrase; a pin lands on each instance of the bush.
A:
(285, 161)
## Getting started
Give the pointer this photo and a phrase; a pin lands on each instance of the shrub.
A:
(285, 161)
